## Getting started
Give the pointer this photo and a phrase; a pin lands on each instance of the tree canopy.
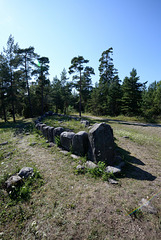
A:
(26, 89)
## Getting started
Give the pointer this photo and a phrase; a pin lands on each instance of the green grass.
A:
(66, 123)
(137, 136)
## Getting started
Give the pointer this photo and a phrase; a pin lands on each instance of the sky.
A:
(63, 29)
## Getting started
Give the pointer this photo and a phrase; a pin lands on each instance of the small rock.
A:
(26, 172)
(85, 122)
(74, 156)
(80, 167)
(64, 152)
(33, 143)
(4, 143)
(90, 165)
(112, 181)
(13, 181)
(114, 170)
(126, 137)
(51, 144)
(147, 207)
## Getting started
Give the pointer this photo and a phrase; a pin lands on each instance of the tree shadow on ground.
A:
(20, 126)
(132, 171)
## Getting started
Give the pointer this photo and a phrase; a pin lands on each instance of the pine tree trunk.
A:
(80, 95)
(42, 96)
(28, 90)
(12, 100)
(3, 106)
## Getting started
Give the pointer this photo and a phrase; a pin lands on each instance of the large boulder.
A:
(51, 134)
(80, 143)
(66, 140)
(101, 144)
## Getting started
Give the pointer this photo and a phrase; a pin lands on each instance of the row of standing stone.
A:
(98, 144)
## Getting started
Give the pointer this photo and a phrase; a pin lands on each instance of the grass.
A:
(70, 206)
(66, 123)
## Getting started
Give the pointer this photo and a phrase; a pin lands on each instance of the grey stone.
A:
(146, 206)
(112, 181)
(13, 181)
(80, 143)
(57, 131)
(26, 172)
(101, 144)
(38, 125)
(41, 127)
(86, 123)
(114, 170)
(64, 152)
(74, 156)
(90, 165)
(51, 144)
(80, 167)
(33, 143)
(45, 131)
(51, 134)
(66, 140)
(126, 137)
(3, 143)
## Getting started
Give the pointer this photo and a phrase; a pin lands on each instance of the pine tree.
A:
(66, 88)
(27, 61)
(41, 70)
(132, 94)
(4, 76)
(77, 67)
(12, 60)
(114, 97)
(107, 74)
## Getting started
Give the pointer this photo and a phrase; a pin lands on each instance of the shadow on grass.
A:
(20, 126)
(132, 171)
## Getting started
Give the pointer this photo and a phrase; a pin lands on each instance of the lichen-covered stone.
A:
(101, 144)
(66, 140)
(80, 143)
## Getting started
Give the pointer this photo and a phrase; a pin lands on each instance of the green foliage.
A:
(82, 76)
(57, 141)
(22, 192)
(132, 94)
(98, 171)
(19, 96)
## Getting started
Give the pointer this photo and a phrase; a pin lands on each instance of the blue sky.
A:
(63, 29)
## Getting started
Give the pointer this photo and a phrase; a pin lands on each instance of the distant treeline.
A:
(22, 96)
